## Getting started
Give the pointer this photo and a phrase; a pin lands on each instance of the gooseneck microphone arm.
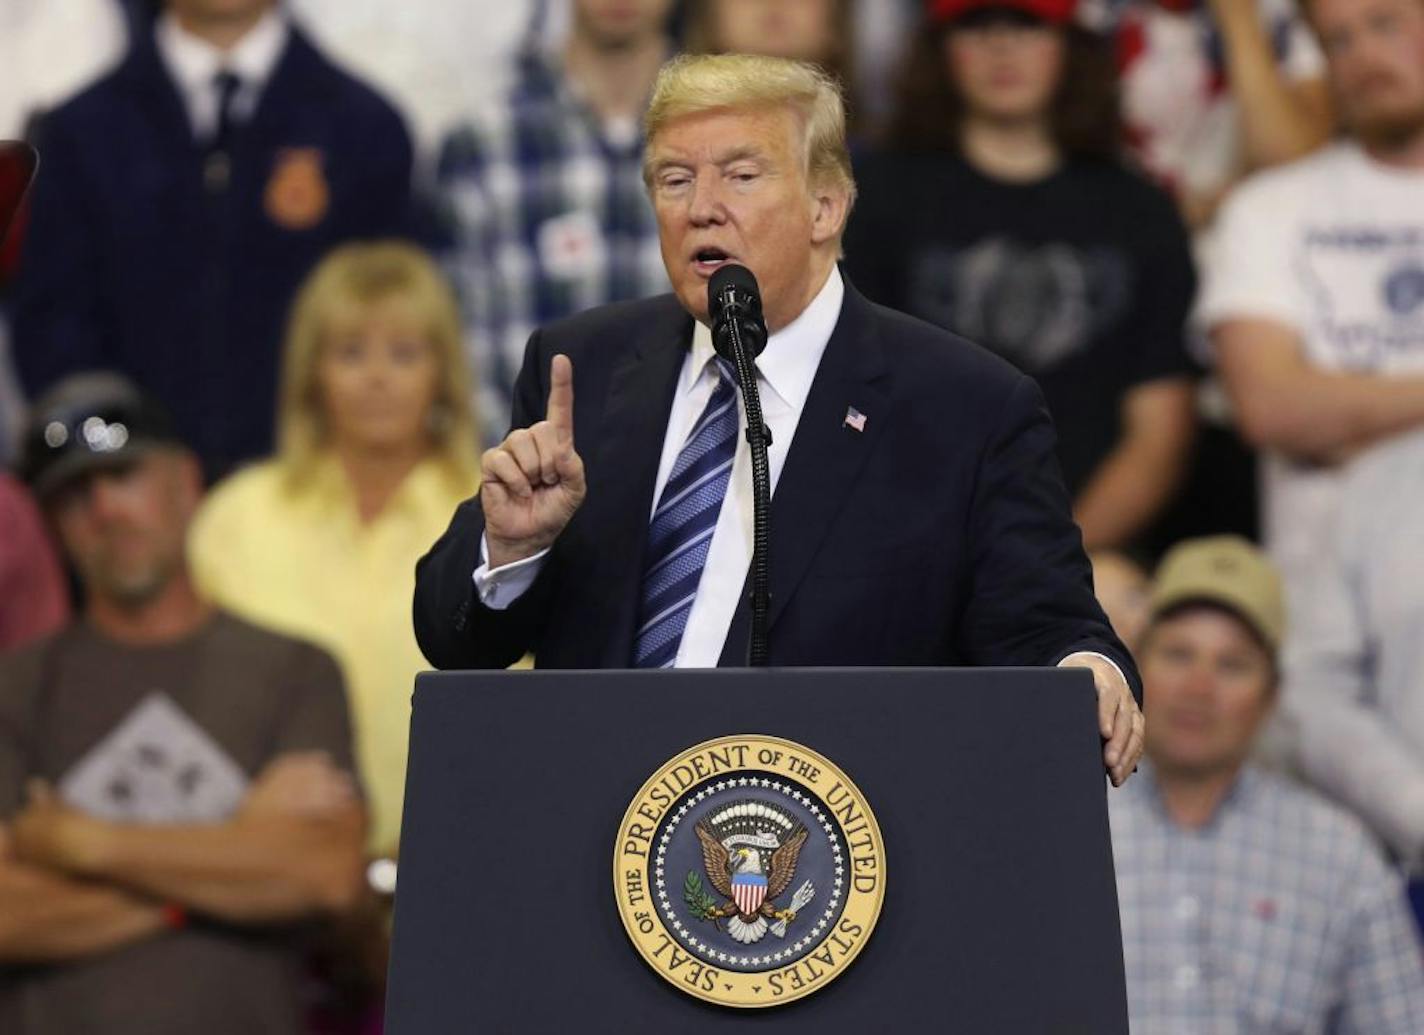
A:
(758, 438)
(740, 335)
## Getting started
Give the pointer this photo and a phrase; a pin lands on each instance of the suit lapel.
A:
(630, 444)
(825, 458)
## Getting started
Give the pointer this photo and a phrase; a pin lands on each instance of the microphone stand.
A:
(758, 438)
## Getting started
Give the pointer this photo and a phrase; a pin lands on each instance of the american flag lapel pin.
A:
(854, 419)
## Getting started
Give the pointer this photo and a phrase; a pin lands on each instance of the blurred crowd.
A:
(265, 306)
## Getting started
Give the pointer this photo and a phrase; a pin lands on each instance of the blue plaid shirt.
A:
(545, 216)
(1279, 916)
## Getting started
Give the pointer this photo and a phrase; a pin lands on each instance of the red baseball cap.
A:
(1056, 12)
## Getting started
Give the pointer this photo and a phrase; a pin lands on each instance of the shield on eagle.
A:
(748, 891)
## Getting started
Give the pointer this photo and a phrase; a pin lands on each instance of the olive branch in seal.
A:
(694, 893)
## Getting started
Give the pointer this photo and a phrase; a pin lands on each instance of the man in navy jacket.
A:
(918, 515)
(180, 202)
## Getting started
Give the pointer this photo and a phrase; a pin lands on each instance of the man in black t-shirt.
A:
(175, 785)
(1002, 214)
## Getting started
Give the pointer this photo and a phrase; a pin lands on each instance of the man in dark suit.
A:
(183, 198)
(918, 518)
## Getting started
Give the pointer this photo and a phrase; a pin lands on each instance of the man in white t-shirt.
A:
(1316, 298)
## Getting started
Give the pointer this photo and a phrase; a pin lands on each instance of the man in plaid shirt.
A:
(544, 202)
(1248, 904)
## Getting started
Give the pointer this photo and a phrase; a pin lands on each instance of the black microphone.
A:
(739, 336)
(733, 299)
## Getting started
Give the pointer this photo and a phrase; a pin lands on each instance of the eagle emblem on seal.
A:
(749, 852)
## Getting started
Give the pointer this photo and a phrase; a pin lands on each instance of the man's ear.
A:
(830, 205)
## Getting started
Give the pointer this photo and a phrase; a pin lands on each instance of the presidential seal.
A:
(749, 871)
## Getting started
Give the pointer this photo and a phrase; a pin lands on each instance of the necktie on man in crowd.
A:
(217, 169)
(681, 530)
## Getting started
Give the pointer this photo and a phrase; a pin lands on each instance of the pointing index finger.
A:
(560, 412)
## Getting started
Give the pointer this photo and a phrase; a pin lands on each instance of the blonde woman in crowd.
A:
(376, 447)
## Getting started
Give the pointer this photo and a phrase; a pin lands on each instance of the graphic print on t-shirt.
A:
(157, 766)
(1366, 284)
(1035, 305)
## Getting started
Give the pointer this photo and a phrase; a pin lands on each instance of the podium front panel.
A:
(1000, 907)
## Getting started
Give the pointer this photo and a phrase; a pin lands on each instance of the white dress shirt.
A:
(195, 63)
(785, 371)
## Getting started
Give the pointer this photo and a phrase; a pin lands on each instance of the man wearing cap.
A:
(175, 788)
(918, 516)
(1247, 903)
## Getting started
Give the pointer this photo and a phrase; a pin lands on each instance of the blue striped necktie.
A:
(682, 526)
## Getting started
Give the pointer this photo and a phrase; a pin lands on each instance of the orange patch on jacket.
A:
(298, 195)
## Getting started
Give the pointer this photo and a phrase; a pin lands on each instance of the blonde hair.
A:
(361, 276)
(695, 83)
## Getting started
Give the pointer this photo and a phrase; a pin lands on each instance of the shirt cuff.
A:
(500, 587)
(1085, 654)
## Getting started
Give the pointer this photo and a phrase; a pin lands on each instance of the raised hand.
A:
(533, 481)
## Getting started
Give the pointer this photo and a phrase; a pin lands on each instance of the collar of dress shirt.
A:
(195, 62)
(788, 363)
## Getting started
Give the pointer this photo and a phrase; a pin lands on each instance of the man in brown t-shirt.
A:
(175, 788)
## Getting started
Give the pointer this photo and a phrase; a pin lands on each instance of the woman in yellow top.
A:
(376, 447)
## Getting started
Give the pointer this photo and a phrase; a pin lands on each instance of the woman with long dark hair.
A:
(1002, 211)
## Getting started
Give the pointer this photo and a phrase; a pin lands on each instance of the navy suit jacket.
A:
(136, 261)
(938, 535)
